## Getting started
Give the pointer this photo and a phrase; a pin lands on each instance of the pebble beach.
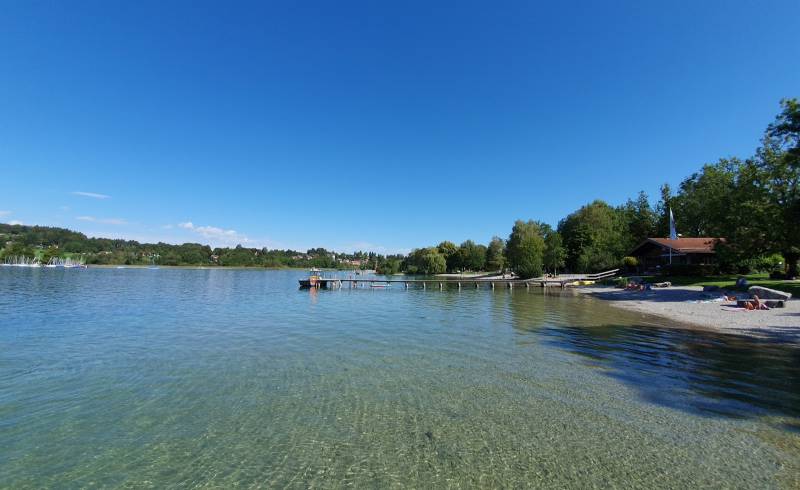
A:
(691, 305)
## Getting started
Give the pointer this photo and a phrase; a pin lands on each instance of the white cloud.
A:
(15, 222)
(93, 195)
(4, 213)
(217, 235)
(105, 221)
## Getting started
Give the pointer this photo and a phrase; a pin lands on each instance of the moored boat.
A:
(313, 280)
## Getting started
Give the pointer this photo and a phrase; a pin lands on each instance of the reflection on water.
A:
(689, 370)
(221, 378)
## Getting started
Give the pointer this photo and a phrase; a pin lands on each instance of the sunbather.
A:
(756, 304)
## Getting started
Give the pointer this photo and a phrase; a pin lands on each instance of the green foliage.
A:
(595, 237)
(662, 211)
(630, 262)
(472, 256)
(495, 255)
(389, 266)
(525, 249)
(554, 252)
(640, 219)
(451, 255)
(47, 242)
(426, 261)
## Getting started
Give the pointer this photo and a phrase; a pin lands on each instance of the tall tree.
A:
(707, 198)
(554, 252)
(594, 237)
(779, 160)
(495, 255)
(449, 251)
(640, 219)
(472, 256)
(662, 211)
(525, 249)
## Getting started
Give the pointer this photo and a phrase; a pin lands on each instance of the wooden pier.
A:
(561, 281)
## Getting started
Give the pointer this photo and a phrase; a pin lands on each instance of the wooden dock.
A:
(561, 281)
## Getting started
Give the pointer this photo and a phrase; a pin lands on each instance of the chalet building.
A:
(655, 252)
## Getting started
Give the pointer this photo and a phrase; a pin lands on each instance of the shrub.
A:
(630, 262)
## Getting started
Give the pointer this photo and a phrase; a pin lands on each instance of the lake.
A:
(216, 378)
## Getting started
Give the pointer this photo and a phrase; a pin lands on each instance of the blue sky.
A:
(371, 125)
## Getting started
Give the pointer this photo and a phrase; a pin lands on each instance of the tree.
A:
(554, 253)
(389, 266)
(707, 198)
(641, 219)
(662, 211)
(786, 128)
(425, 261)
(495, 258)
(434, 263)
(525, 249)
(472, 256)
(594, 237)
(449, 251)
(779, 161)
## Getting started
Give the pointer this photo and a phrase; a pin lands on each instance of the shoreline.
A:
(690, 305)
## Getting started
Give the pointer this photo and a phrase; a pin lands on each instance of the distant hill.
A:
(46, 242)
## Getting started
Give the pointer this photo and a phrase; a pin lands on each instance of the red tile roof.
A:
(689, 245)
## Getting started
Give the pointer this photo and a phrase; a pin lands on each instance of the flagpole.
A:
(673, 234)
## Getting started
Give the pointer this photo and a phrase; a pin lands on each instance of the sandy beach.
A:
(691, 305)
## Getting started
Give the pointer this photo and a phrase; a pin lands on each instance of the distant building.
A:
(656, 252)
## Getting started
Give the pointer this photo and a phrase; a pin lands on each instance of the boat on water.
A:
(314, 279)
(66, 263)
(22, 261)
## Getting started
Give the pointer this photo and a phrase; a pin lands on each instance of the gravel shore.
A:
(691, 305)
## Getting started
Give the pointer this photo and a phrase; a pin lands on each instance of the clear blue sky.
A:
(381, 125)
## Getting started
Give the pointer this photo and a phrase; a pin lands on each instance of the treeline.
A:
(47, 242)
(753, 203)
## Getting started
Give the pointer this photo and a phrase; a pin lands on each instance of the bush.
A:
(630, 262)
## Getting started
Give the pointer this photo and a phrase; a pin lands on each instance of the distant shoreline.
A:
(201, 267)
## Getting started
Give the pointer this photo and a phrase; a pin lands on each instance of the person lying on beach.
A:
(756, 304)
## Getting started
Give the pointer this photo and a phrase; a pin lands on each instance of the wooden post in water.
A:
(406, 285)
(459, 286)
(492, 285)
(424, 285)
(441, 286)
(476, 285)
(510, 285)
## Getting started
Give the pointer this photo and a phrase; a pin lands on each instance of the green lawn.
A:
(729, 282)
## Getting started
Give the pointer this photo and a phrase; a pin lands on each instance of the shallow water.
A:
(215, 378)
